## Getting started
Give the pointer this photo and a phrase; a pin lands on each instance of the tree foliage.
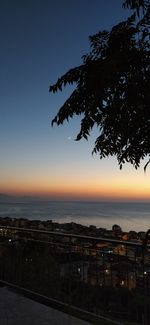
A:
(113, 88)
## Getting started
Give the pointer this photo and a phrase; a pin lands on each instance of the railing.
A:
(105, 277)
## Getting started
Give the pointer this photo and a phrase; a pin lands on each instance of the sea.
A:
(129, 215)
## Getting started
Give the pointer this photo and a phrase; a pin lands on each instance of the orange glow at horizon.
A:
(72, 189)
(87, 180)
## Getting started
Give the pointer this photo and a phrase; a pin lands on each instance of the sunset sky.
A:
(41, 40)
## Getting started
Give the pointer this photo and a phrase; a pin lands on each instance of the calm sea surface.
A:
(130, 216)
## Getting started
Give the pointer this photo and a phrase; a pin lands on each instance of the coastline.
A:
(74, 228)
(130, 216)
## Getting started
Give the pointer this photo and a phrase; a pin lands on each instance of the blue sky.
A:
(41, 40)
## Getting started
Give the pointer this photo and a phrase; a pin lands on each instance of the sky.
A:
(40, 41)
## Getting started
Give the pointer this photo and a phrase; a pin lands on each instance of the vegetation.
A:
(112, 88)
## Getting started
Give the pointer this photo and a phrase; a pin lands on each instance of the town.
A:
(68, 261)
(115, 233)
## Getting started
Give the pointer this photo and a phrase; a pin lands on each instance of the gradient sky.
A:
(41, 40)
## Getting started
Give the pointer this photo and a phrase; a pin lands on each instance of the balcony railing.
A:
(103, 277)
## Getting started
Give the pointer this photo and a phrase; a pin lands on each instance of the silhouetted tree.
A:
(113, 88)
